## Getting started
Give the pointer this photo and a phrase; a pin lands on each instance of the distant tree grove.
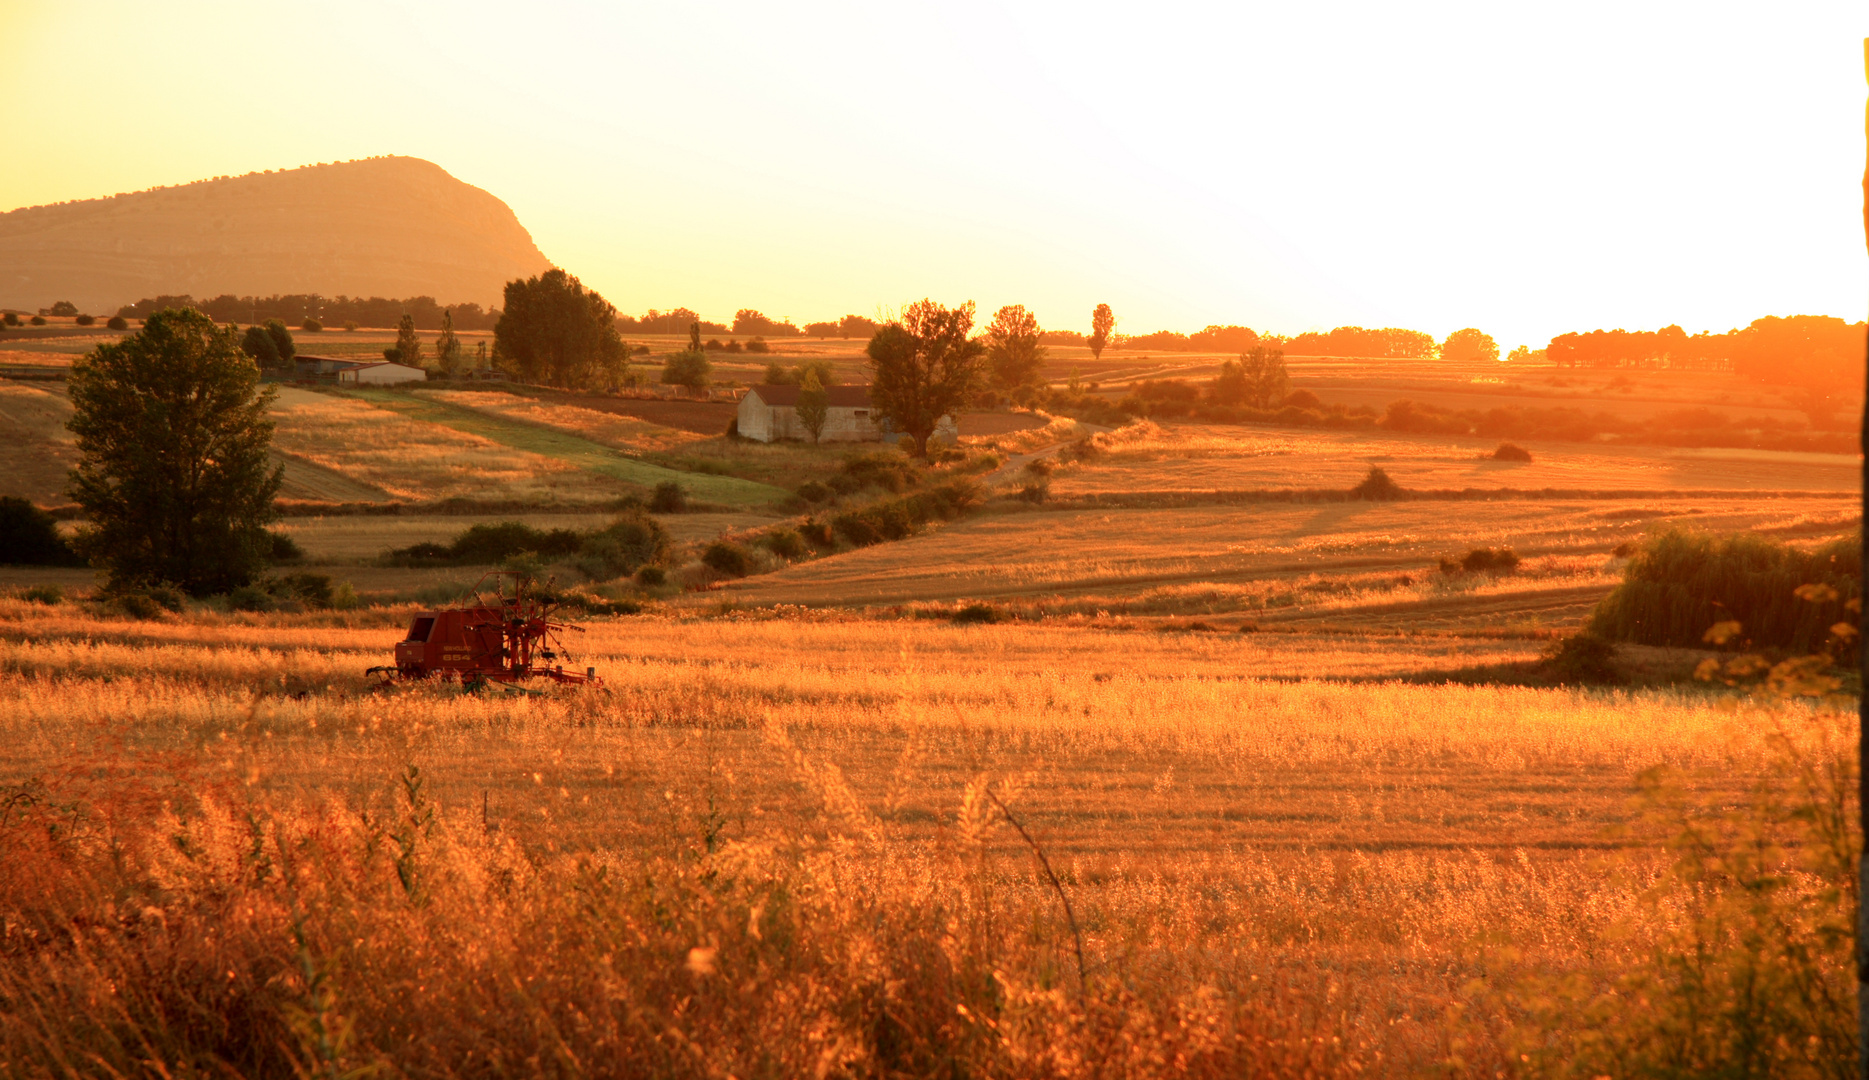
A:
(1812, 351)
(296, 308)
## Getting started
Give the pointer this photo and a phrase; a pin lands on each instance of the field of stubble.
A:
(785, 846)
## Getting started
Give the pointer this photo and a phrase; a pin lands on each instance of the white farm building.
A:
(770, 413)
(380, 373)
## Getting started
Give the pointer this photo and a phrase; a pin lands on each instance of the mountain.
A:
(388, 226)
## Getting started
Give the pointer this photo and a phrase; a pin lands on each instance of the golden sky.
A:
(1523, 168)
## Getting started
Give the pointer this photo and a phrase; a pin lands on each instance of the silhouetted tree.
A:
(1469, 345)
(1012, 348)
(814, 405)
(555, 331)
(408, 346)
(1102, 326)
(855, 326)
(448, 347)
(63, 309)
(259, 345)
(924, 366)
(173, 471)
(1263, 377)
(282, 340)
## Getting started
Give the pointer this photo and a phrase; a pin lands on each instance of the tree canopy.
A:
(924, 366)
(1102, 326)
(173, 471)
(1468, 346)
(1012, 347)
(554, 331)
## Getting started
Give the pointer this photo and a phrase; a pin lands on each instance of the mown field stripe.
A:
(572, 449)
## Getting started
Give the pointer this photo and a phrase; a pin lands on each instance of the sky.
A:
(1525, 168)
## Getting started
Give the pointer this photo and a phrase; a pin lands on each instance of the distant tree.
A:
(173, 473)
(1012, 348)
(64, 309)
(1469, 346)
(11, 318)
(38, 320)
(448, 347)
(259, 345)
(408, 346)
(282, 340)
(311, 325)
(1102, 326)
(748, 321)
(814, 406)
(777, 375)
(1263, 377)
(694, 336)
(29, 536)
(86, 320)
(689, 368)
(825, 371)
(821, 329)
(855, 326)
(117, 322)
(924, 366)
(555, 331)
(480, 356)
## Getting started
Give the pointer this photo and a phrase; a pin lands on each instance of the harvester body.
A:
(504, 634)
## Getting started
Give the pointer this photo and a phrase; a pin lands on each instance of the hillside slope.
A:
(391, 226)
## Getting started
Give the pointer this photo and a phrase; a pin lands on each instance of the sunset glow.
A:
(1527, 170)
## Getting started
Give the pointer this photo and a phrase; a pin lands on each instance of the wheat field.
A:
(1278, 857)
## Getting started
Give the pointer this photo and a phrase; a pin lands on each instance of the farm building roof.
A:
(846, 396)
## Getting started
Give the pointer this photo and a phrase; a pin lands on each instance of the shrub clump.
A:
(29, 536)
(668, 498)
(814, 492)
(1481, 560)
(785, 543)
(896, 519)
(117, 322)
(651, 577)
(1378, 486)
(1585, 659)
(1511, 452)
(1680, 584)
(727, 557)
(49, 595)
(979, 613)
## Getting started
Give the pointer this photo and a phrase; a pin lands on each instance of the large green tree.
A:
(173, 472)
(923, 367)
(555, 331)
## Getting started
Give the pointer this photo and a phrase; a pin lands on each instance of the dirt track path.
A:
(1017, 462)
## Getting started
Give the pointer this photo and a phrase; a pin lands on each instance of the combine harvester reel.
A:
(502, 638)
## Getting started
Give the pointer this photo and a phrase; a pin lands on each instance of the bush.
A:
(86, 320)
(813, 492)
(785, 543)
(312, 590)
(689, 368)
(1040, 467)
(758, 345)
(651, 577)
(629, 543)
(1035, 493)
(285, 549)
(1303, 399)
(29, 536)
(251, 598)
(890, 471)
(727, 557)
(117, 322)
(38, 320)
(1483, 561)
(311, 326)
(1583, 658)
(1679, 584)
(817, 534)
(978, 613)
(49, 595)
(349, 325)
(1511, 452)
(136, 605)
(1377, 487)
(483, 544)
(668, 498)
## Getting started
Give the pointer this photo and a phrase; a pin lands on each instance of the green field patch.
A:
(572, 449)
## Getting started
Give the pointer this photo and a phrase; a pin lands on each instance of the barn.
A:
(381, 373)
(770, 413)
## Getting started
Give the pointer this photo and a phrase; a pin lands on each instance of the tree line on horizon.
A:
(329, 312)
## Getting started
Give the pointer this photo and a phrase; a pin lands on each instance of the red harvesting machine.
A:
(503, 635)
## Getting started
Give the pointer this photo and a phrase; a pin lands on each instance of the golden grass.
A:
(622, 432)
(420, 461)
(1205, 457)
(1316, 873)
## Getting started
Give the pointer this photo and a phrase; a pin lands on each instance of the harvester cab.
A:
(499, 632)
